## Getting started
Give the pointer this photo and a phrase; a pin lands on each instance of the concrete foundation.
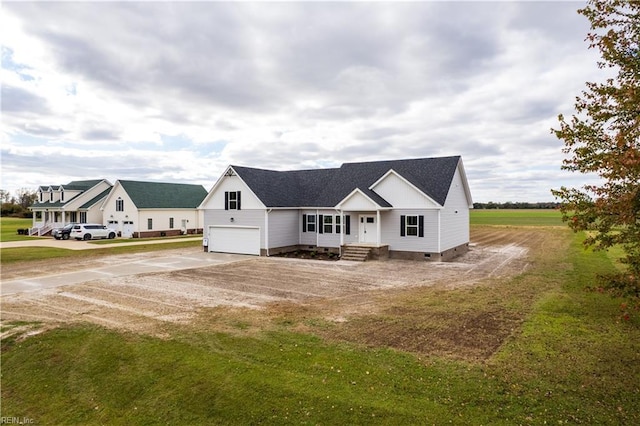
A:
(432, 257)
(165, 233)
(376, 253)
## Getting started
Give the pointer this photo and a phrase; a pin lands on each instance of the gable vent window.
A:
(119, 205)
(411, 226)
(232, 200)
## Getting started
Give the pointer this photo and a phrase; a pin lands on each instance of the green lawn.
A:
(25, 254)
(9, 229)
(516, 217)
(568, 359)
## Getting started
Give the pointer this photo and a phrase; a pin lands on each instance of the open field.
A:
(516, 217)
(507, 334)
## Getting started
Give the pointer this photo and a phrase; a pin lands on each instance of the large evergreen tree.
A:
(603, 137)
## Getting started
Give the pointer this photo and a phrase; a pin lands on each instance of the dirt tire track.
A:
(143, 302)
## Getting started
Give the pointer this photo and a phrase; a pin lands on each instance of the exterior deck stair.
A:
(356, 253)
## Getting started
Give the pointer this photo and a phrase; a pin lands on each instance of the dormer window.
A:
(61, 194)
(51, 195)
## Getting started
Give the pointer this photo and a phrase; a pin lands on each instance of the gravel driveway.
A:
(172, 286)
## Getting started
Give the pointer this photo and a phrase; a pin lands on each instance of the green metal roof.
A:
(160, 195)
(82, 185)
(95, 199)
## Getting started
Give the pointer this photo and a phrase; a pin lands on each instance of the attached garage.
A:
(235, 239)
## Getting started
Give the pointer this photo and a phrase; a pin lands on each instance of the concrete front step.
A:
(359, 254)
(354, 258)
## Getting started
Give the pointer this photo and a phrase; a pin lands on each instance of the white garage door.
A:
(234, 239)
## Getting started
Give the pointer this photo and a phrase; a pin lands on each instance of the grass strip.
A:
(27, 254)
(570, 360)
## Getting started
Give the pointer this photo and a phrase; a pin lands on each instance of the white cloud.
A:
(175, 91)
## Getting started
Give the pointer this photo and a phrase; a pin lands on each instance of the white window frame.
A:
(411, 230)
(232, 202)
(311, 222)
(327, 224)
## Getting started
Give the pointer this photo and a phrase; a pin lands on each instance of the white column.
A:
(341, 230)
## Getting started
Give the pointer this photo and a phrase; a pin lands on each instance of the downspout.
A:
(266, 230)
(378, 228)
(439, 236)
(317, 228)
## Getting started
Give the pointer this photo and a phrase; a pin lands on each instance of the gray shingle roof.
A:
(161, 195)
(327, 187)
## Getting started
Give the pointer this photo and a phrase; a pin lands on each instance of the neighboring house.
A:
(152, 209)
(412, 209)
(77, 201)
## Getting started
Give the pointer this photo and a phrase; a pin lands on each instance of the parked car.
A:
(89, 231)
(63, 233)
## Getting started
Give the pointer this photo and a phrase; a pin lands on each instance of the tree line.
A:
(17, 205)
(516, 205)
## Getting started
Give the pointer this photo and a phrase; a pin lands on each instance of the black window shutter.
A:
(238, 199)
(347, 224)
(304, 223)
(402, 225)
(226, 200)
(320, 224)
(420, 226)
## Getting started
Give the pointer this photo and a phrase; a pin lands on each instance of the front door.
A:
(367, 229)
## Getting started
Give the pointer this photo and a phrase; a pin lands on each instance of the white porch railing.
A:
(44, 229)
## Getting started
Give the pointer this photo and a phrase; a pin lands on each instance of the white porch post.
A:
(317, 229)
(378, 228)
(341, 230)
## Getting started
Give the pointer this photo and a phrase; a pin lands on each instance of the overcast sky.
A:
(174, 91)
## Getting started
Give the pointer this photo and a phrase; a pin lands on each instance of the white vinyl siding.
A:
(454, 218)
(283, 228)
(215, 200)
(401, 194)
(390, 222)
(306, 237)
(327, 239)
(357, 201)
